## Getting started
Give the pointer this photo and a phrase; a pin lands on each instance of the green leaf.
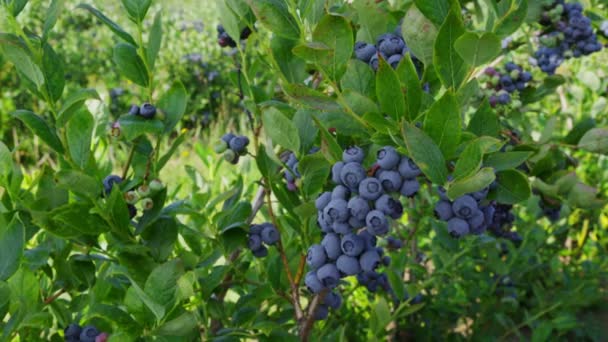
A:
(359, 103)
(425, 153)
(513, 187)
(155, 40)
(310, 97)
(54, 76)
(372, 20)
(149, 300)
(315, 170)
(78, 217)
(133, 126)
(275, 15)
(16, 5)
(15, 52)
(40, 128)
(74, 102)
(451, 68)
(280, 129)
(160, 237)
(335, 32)
(173, 103)
(130, 64)
(162, 283)
(388, 91)
(52, 14)
(137, 9)
(307, 131)
(550, 83)
(329, 146)
(79, 133)
(183, 325)
(358, 77)
(6, 162)
(579, 130)
(472, 183)
(484, 122)
(12, 241)
(119, 31)
(117, 211)
(413, 90)
(469, 161)
(506, 160)
(292, 66)
(78, 183)
(443, 124)
(435, 10)
(420, 34)
(478, 49)
(595, 140)
(513, 19)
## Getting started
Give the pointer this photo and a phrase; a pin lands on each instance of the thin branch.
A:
(52, 298)
(310, 319)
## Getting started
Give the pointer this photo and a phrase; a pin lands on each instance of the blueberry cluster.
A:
(502, 221)
(76, 333)
(224, 40)
(140, 195)
(501, 85)
(550, 209)
(390, 46)
(146, 111)
(232, 146)
(292, 174)
(354, 214)
(261, 235)
(569, 34)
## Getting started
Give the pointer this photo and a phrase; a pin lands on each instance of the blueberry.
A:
(147, 111)
(510, 66)
(386, 260)
(374, 62)
(342, 227)
(464, 207)
(227, 137)
(370, 189)
(443, 210)
(336, 211)
(260, 252)
(289, 177)
(393, 243)
(369, 260)
(328, 275)
(388, 158)
(353, 154)
(369, 238)
(316, 256)
(245, 33)
(340, 192)
(408, 169)
(356, 223)
(256, 229)
(352, 244)
(476, 222)
(333, 300)
(270, 234)
(351, 175)
(376, 223)
(336, 171)
(108, 183)
(321, 312)
(331, 243)
(488, 213)
(348, 265)
(458, 227)
(322, 222)
(410, 187)
(254, 242)
(238, 144)
(358, 208)
(72, 331)
(312, 282)
(132, 210)
(364, 51)
(394, 60)
(390, 44)
(323, 200)
(481, 194)
(389, 206)
(134, 110)
(504, 98)
(88, 334)
(231, 157)
(391, 180)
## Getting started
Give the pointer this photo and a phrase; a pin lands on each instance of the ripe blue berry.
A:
(72, 332)
(408, 169)
(134, 110)
(313, 283)
(88, 334)
(336, 211)
(331, 243)
(464, 207)
(316, 256)
(374, 62)
(323, 200)
(458, 227)
(388, 158)
(391, 180)
(370, 189)
(333, 300)
(369, 238)
(227, 137)
(108, 183)
(389, 206)
(352, 245)
(254, 242)
(443, 210)
(369, 260)
(476, 222)
(356, 223)
(147, 111)
(270, 234)
(481, 194)
(390, 44)
(358, 208)
(321, 312)
(351, 175)
(410, 187)
(260, 252)
(336, 171)
(342, 227)
(348, 265)
(353, 154)
(323, 223)
(238, 144)
(393, 243)
(394, 60)
(364, 51)
(376, 223)
(328, 275)
(340, 192)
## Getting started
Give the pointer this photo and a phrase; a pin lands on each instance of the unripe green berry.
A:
(156, 185)
(143, 191)
(514, 74)
(229, 156)
(494, 81)
(516, 104)
(147, 203)
(131, 197)
(220, 147)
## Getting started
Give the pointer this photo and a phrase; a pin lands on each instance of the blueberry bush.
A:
(303, 170)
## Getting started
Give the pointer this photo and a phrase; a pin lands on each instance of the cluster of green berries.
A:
(232, 147)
